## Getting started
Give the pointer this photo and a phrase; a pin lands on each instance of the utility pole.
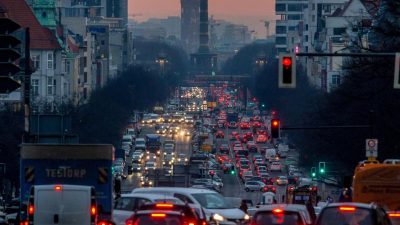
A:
(27, 84)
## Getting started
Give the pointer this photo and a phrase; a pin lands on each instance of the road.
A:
(234, 187)
(182, 147)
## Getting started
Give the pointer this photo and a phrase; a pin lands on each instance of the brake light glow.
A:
(277, 210)
(57, 188)
(348, 209)
(159, 215)
(394, 214)
(26, 222)
(93, 210)
(31, 210)
(164, 205)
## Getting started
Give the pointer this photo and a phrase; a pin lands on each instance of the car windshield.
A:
(286, 218)
(212, 201)
(345, 216)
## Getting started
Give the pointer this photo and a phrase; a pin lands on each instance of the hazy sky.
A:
(247, 12)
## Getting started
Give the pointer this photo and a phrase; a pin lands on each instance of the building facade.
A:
(190, 25)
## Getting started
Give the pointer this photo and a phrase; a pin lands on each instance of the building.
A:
(190, 25)
(334, 26)
(234, 37)
(288, 31)
(49, 85)
(117, 9)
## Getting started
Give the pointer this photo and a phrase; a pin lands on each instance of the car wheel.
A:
(247, 189)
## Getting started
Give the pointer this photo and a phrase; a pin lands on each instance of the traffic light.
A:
(321, 167)
(233, 172)
(8, 55)
(275, 128)
(287, 71)
(396, 83)
(313, 172)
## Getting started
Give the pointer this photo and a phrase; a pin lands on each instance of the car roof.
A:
(172, 190)
(354, 204)
(150, 196)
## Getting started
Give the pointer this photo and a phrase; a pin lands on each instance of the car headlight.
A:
(218, 217)
(152, 183)
(145, 168)
(246, 217)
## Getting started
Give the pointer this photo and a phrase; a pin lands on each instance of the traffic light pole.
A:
(27, 85)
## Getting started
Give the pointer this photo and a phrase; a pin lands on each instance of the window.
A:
(280, 40)
(294, 17)
(313, 7)
(281, 30)
(295, 7)
(141, 201)
(336, 79)
(183, 198)
(67, 66)
(85, 77)
(339, 30)
(280, 7)
(51, 83)
(50, 60)
(306, 38)
(313, 18)
(36, 61)
(292, 40)
(306, 27)
(35, 87)
(125, 203)
(292, 28)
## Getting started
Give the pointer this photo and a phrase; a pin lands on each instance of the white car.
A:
(253, 186)
(150, 165)
(276, 166)
(126, 205)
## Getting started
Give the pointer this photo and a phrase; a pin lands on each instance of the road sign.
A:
(14, 96)
(371, 147)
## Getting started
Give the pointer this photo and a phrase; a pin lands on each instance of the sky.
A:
(247, 12)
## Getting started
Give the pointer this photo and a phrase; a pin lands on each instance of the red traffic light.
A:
(275, 123)
(287, 61)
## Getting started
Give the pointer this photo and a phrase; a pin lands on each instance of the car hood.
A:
(233, 213)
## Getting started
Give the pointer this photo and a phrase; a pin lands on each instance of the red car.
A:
(219, 134)
(261, 138)
(244, 125)
(269, 188)
(257, 124)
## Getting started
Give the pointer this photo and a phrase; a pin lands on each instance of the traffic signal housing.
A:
(313, 172)
(287, 70)
(321, 167)
(8, 55)
(275, 128)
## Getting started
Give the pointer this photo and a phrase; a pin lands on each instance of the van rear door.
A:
(62, 205)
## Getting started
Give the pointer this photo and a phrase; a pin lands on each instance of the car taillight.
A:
(347, 209)
(164, 205)
(25, 222)
(129, 222)
(93, 210)
(277, 210)
(31, 209)
(104, 223)
(394, 214)
(58, 188)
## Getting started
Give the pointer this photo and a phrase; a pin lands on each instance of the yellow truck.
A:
(379, 183)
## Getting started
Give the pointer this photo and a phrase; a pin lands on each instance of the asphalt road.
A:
(234, 187)
(182, 146)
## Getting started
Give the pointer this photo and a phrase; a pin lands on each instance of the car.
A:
(233, 135)
(352, 213)
(262, 132)
(261, 138)
(224, 149)
(282, 180)
(136, 167)
(244, 167)
(257, 156)
(251, 146)
(253, 186)
(169, 159)
(246, 175)
(262, 169)
(244, 125)
(394, 217)
(164, 213)
(151, 157)
(269, 188)
(259, 162)
(275, 166)
(257, 124)
(219, 134)
(232, 125)
(256, 178)
(214, 204)
(279, 214)
(150, 165)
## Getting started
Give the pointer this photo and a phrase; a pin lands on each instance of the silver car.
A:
(253, 186)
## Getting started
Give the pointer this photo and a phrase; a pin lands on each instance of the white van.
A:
(62, 205)
(213, 203)
(270, 154)
(128, 203)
